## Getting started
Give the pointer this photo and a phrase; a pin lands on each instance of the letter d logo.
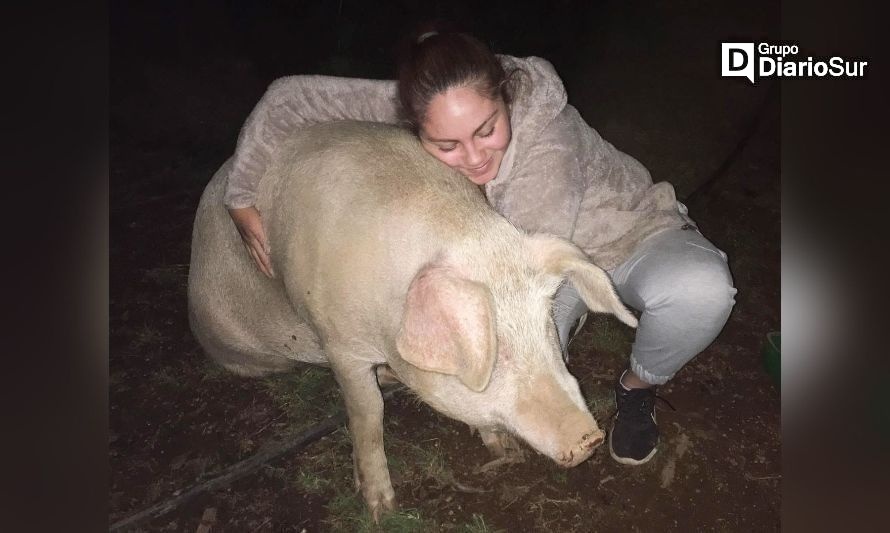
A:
(738, 60)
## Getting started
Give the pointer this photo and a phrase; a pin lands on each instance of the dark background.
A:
(645, 74)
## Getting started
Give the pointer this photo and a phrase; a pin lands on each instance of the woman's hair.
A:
(434, 60)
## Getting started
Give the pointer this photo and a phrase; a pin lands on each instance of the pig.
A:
(386, 259)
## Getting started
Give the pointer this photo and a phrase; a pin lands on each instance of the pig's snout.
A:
(582, 450)
(555, 425)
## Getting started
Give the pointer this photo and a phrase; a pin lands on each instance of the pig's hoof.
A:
(501, 444)
(381, 506)
(503, 447)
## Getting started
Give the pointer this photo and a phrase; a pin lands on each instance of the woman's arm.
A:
(568, 181)
(543, 189)
(289, 104)
(294, 102)
(621, 206)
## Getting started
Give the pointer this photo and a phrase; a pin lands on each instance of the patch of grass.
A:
(405, 521)
(307, 394)
(213, 372)
(311, 482)
(428, 460)
(348, 513)
(605, 333)
(329, 471)
(411, 462)
(478, 525)
(601, 402)
(398, 466)
(414, 463)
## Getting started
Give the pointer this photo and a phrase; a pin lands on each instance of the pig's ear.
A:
(449, 327)
(562, 258)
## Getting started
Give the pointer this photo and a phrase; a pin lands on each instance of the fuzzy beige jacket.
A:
(558, 175)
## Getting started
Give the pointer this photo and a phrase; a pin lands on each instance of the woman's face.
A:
(468, 132)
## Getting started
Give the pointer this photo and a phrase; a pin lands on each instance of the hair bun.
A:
(425, 36)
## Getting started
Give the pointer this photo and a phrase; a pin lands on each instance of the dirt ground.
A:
(176, 419)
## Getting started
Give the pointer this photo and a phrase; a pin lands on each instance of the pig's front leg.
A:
(364, 408)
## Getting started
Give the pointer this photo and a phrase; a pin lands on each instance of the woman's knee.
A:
(692, 308)
(702, 289)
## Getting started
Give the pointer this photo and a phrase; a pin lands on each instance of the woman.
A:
(503, 123)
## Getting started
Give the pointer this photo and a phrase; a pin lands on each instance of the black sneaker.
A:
(634, 434)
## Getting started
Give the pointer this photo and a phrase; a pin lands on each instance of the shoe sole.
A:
(629, 460)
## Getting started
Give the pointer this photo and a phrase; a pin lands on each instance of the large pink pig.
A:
(386, 258)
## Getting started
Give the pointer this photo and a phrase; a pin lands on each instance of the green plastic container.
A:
(772, 356)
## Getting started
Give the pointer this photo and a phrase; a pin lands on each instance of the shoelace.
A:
(645, 403)
(662, 398)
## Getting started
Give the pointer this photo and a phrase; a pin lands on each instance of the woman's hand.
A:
(250, 226)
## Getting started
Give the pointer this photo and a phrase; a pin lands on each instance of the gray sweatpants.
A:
(681, 284)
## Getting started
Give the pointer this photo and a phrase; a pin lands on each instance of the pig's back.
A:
(361, 169)
(357, 209)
